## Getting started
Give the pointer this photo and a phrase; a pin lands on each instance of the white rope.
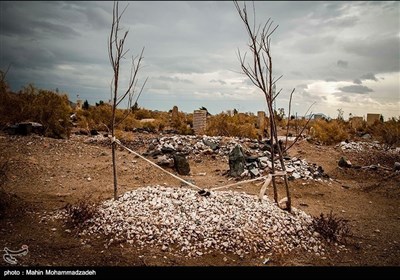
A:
(248, 181)
(238, 183)
(155, 165)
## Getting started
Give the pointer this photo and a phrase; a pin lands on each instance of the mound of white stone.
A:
(181, 219)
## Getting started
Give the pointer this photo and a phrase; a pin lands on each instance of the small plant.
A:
(331, 227)
(79, 214)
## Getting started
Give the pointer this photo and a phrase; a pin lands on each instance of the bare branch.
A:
(302, 130)
(287, 125)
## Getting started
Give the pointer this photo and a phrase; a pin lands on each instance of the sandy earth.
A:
(45, 174)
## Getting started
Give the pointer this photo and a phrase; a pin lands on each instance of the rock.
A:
(396, 166)
(236, 161)
(266, 261)
(212, 145)
(168, 150)
(296, 175)
(343, 162)
(164, 161)
(181, 164)
(366, 136)
(254, 172)
(263, 159)
(283, 203)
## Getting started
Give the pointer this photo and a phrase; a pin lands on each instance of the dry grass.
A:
(329, 132)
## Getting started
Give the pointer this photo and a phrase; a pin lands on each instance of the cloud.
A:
(64, 44)
(342, 63)
(218, 81)
(345, 99)
(379, 52)
(369, 76)
(302, 87)
(174, 79)
(356, 89)
(330, 80)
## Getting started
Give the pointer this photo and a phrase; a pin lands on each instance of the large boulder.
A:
(236, 161)
(181, 164)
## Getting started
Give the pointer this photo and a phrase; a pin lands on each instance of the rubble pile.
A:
(363, 146)
(182, 219)
(254, 159)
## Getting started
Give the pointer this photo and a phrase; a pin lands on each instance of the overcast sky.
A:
(336, 54)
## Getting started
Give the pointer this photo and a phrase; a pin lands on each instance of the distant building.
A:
(319, 116)
(199, 121)
(78, 104)
(371, 118)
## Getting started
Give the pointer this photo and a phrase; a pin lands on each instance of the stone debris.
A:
(181, 219)
(351, 146)
(246, 157)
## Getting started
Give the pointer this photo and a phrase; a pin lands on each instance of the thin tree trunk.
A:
(113, 144)
(271, 120)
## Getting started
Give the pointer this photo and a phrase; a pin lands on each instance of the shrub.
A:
(78, 215)
(329, 132)
(388, 132)
(50, 109)
(240, 125)
(331, 227)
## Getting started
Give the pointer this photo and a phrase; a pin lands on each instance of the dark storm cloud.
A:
(381, 51)
(191, 47)
(356, 89)
(342, 63)
(369, 76)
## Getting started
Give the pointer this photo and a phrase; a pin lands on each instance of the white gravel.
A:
(194, 225)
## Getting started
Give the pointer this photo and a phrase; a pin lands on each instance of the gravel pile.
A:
(363, 146)
(195, 225)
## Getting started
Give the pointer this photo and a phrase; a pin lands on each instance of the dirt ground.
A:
(45, 174)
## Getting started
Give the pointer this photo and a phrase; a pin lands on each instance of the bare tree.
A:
(259, 71)
(116, 53)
